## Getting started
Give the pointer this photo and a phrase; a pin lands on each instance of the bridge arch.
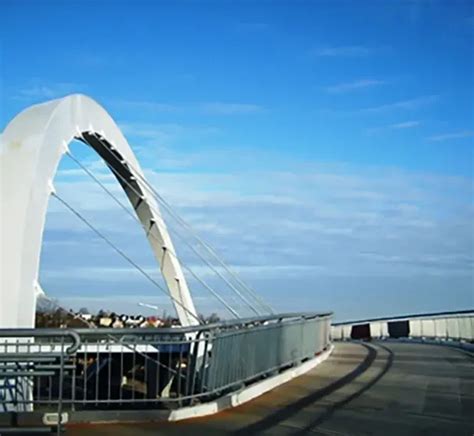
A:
(31, 148)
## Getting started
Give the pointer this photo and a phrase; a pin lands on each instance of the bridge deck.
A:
(363, 388)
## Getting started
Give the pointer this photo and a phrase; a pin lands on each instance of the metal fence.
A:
(112, 369)
(33, 373)
(443, 326)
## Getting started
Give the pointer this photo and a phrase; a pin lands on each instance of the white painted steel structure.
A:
(450, 326)
(31, 148)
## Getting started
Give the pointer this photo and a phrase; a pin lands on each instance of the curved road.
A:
(378, 388)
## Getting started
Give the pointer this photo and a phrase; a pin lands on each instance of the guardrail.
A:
(452, 326)
(123, 369)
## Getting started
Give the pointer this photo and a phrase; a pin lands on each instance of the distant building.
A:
(85, 316)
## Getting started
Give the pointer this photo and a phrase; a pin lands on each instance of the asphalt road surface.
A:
(378, 388)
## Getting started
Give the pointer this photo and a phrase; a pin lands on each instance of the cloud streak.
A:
(409, 104)
(454, 135)
(145, 105)
(306, 227)
(39, 91)
(396, 126)
(341, 88)
(343, 51)
(206, 108)
(222, 108)
(405, 125)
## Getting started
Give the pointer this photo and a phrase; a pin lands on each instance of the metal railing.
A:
(117, 369)
(33, 373)
(442, 326)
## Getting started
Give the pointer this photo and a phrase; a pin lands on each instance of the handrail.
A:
(48, 332)
(153, 366)
(207, 327)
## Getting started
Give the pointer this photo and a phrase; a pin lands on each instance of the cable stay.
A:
(253, 294)
(182, 238)
(233, 312)
(192, 248)
(122, 178)
(209, 250)
(122, 254)
(197, 253)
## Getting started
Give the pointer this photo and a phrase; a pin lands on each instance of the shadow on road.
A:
(287, 412)
(330, 411)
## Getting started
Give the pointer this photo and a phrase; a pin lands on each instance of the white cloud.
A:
(156, 142)
(341, 88)
(453, 135)
(209, 108)
(405, 125)
(45, 91)
(341, 225)
(225, 108)
(165, 133)
(396, 126)
(146, 105)
(343, 51)
(409, 104)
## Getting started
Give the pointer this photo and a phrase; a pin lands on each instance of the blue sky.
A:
(325, 148)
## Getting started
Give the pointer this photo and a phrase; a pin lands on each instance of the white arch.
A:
(31, 148)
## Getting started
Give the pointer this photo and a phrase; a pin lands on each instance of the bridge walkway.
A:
(378, 388)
